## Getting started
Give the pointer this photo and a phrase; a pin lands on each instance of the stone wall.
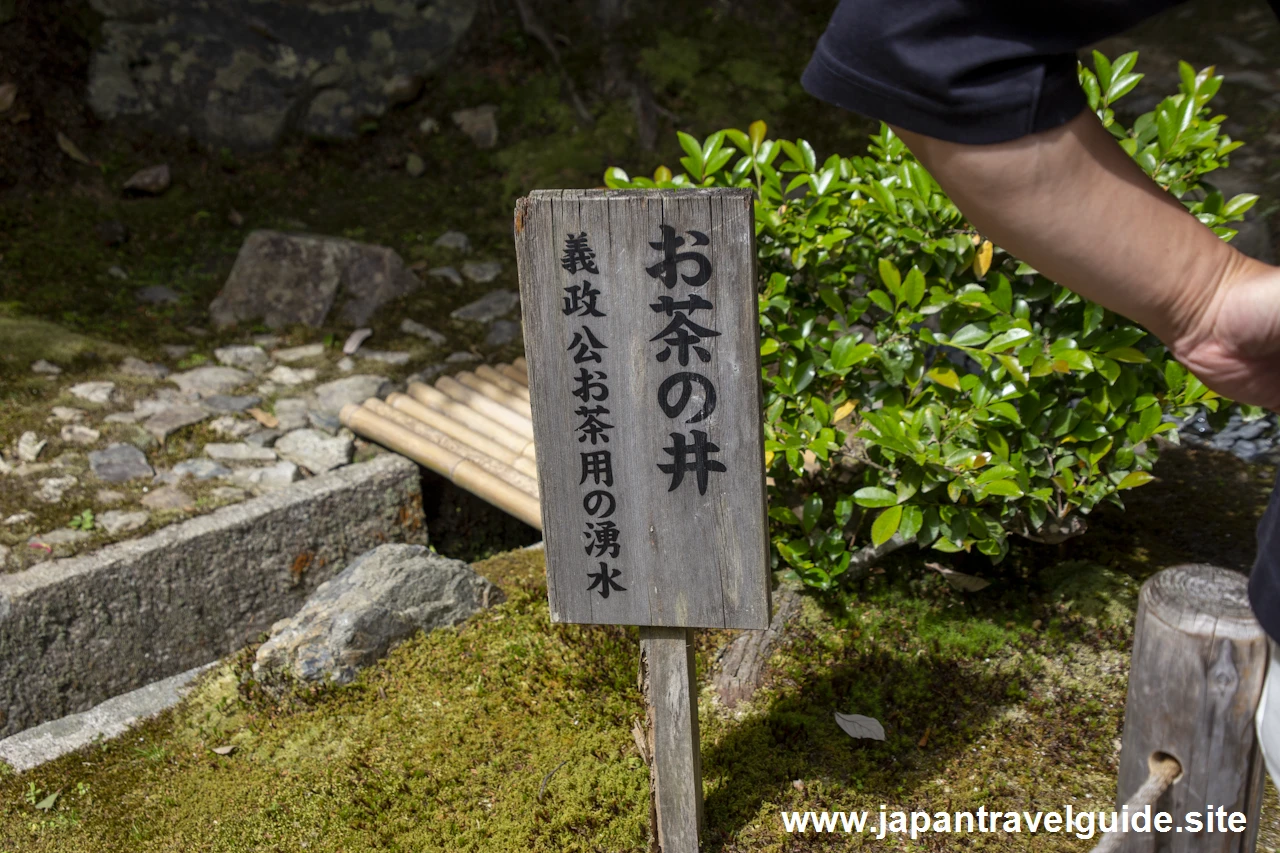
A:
(242, 73)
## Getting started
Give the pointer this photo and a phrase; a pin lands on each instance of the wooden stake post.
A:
(642, 337)
(1199, 659)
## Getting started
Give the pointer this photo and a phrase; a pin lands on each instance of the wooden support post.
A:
(668, 681)
(1199, 659)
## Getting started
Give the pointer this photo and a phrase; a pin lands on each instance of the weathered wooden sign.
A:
(642, 338)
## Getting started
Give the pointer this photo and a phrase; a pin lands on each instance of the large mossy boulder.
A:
(242, 73)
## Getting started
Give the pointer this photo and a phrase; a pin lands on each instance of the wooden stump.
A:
(667, 680)
(1199, 659)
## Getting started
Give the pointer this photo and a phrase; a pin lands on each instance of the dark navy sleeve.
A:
(1264, 580)
(968, 71)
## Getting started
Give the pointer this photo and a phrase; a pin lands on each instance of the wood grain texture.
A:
(1199, 659)
(668, 680)
(686, 559)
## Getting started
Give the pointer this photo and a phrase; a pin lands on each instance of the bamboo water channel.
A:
(475, 428)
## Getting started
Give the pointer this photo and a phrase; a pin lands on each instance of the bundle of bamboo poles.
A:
(474, 428)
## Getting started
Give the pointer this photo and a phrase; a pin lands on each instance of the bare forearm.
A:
(1072, 204)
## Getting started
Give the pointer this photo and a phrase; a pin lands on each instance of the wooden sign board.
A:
(643, 344)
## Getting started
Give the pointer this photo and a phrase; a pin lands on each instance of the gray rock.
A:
(462, 358)
(1254, 429)
(455, 240)
(230, 426)
(62, 536)
(239, 452)
(501, 333)
(201, 469)
(292, 376)
(94, 392)
(117, 272)
(286, 279)
(173, 417)
(381, 598)
(415, 166)
(247, 357)
(324, 421)
(298, 353)
(386, 357)
(314, 450)
(109, 497)
(479, 123)
(18, 518)
(267, 479)
(29, 446)
(428, 126)
(291, 412)
(66, 414)
(4, 557)
(243, 75)
(413, 327)
(228, 493)
(119, 463)
(116, 521)
(152, 180)
(1246, 450)
(167, 497)
(481, 272)
(52, 489)
(346, 364)
(491, 306)
(46, 368)
(210, 380)
(448, 273)
(356, 340)
(177, 351)
(228, 403)
(332, 396)
(158, 294)
(133, 366)
(266, 341)
(263, 438)
(79, 434)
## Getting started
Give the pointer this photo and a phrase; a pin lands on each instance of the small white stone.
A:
(267, 479)
(239, 452)
(51, 490)
(428, 126)
(18, 518)
(355, 340)
(314, 450)
(242, 356)
(79, 434)
(67, 414)
(29, 446)
(292, 376)
(116, 521)
(454, 240)
(45, 367)
(93, 392)
(298, 353)
(447, 273)
(347, 364)
(482, 272)
(291, 412)
(386, 357)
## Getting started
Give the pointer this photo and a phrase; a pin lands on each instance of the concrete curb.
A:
(112, 718)
(76, 632)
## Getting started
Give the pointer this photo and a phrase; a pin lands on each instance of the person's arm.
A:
(1072, 204)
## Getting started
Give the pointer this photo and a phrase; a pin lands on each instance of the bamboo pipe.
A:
(526, 484)
(518, 424)
(514, 375)
(506, 383)
(493, 392)
(460, 432)
(520, 374)
(520, 364)
(464, 473)
(489, 428)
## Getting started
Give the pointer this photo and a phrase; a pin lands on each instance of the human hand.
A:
(1233, 346)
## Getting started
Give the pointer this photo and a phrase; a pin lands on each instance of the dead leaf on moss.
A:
(268, 420)
(72, 150)
(858, 726)
(224, 750)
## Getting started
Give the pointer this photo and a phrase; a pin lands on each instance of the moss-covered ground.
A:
(513, 734)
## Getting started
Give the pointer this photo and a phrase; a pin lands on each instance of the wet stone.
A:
(491, 306)
(119, 463)
(229, 403)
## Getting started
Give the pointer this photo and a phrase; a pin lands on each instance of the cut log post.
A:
(668, 683)
(1199, 659)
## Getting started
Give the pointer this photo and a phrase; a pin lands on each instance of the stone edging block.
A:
(76, 632)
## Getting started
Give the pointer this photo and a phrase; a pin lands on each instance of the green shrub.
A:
(916, 376)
